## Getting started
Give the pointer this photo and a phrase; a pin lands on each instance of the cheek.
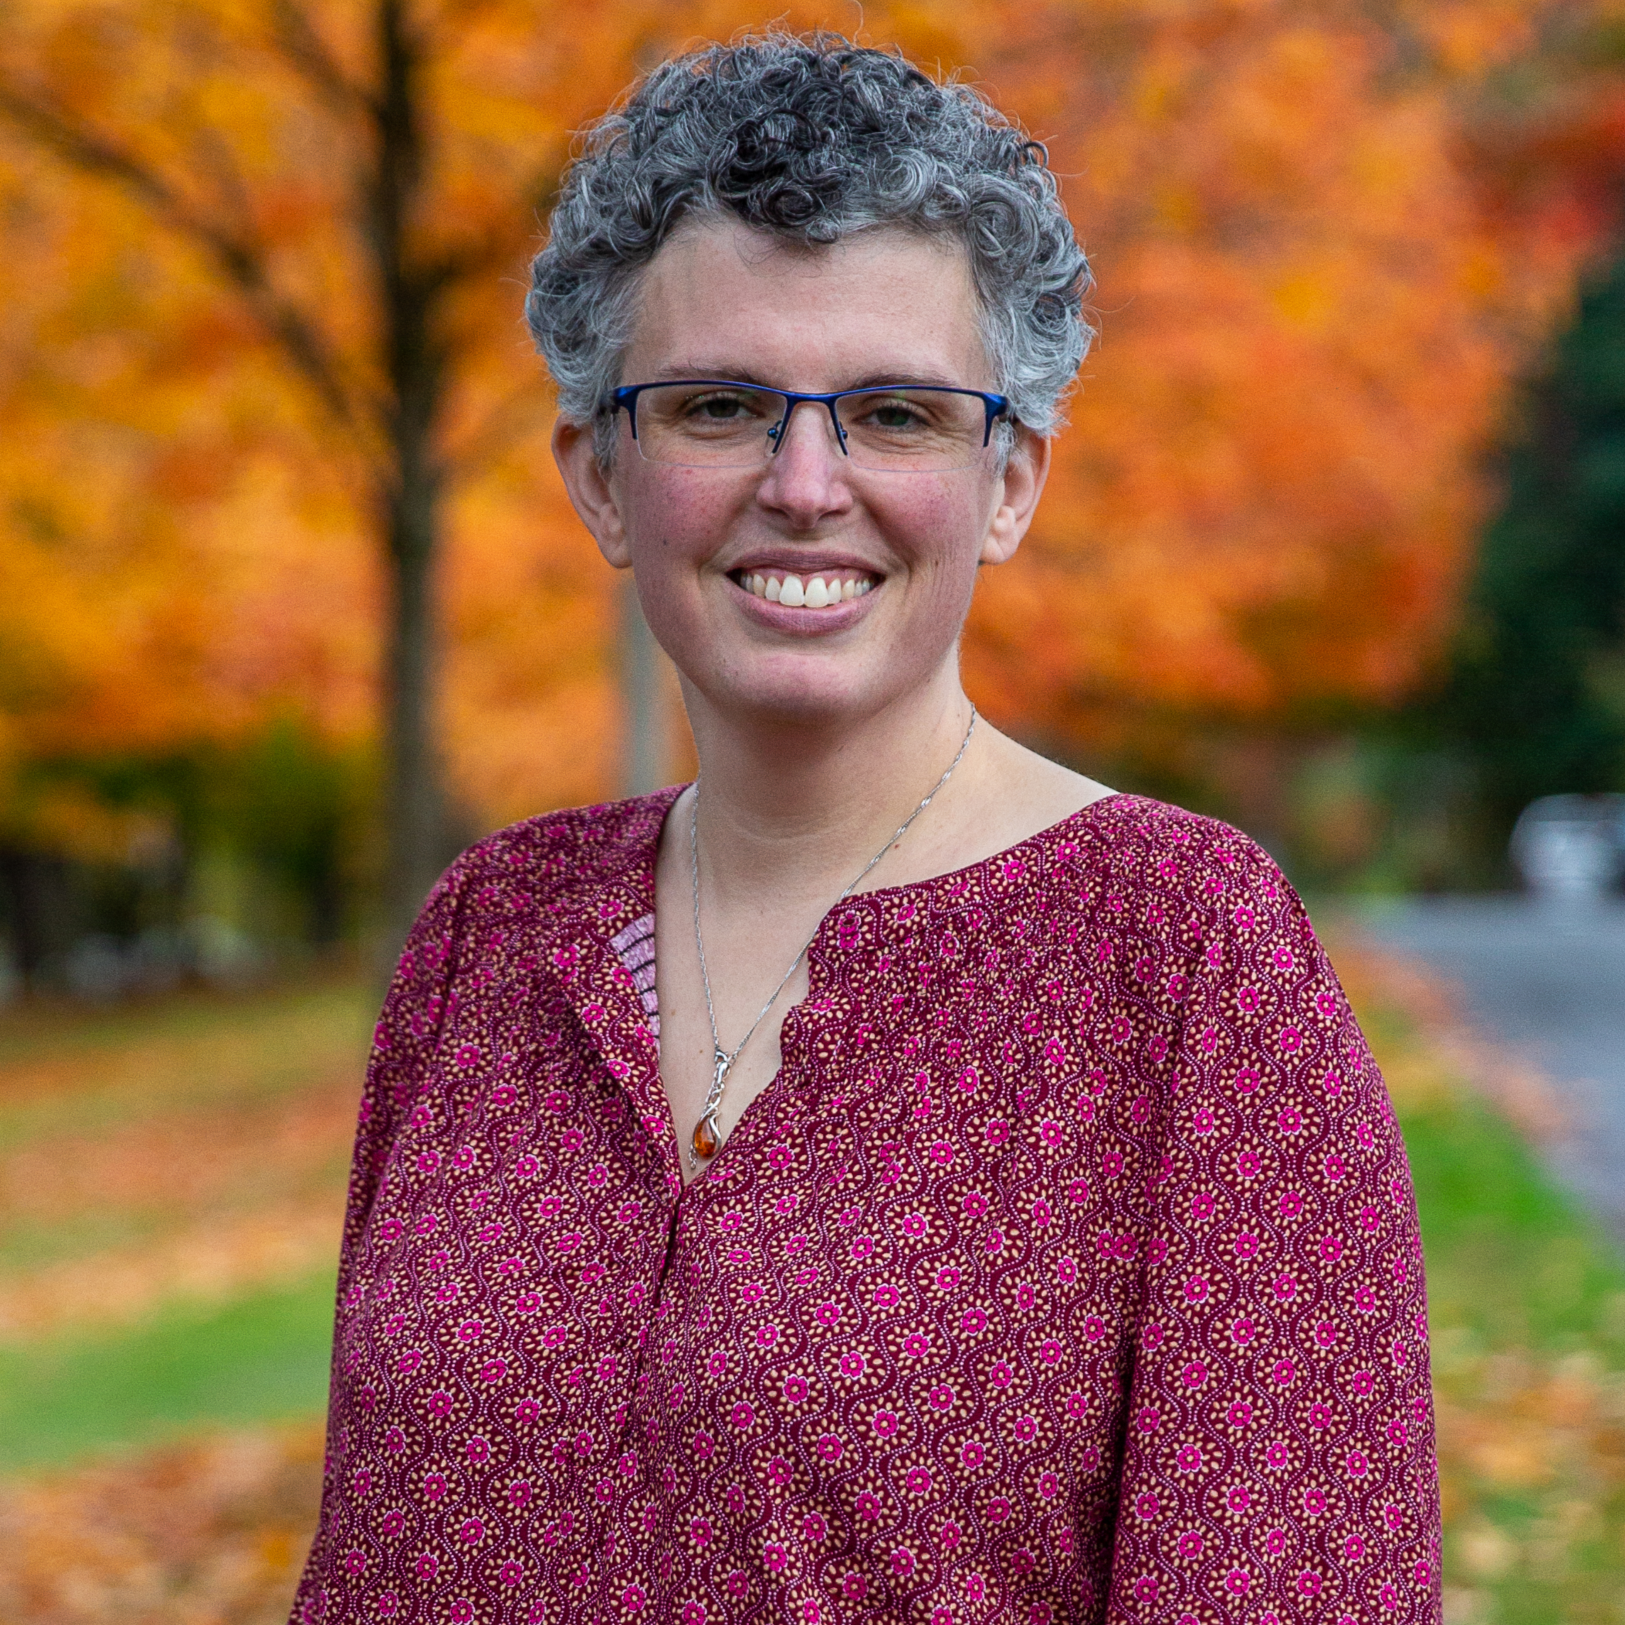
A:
(673, 531)
(938, 533)
(679, 515)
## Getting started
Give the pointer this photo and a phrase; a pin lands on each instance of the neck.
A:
(799, 809)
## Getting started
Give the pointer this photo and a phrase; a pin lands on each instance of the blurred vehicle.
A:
(1571, 848)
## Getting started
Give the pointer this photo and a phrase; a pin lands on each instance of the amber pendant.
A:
(705, 1138)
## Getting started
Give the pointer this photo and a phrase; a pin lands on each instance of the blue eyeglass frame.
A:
(994, 406)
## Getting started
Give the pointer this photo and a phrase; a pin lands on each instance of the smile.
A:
(817, 590)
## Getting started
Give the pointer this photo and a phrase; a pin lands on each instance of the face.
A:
(897, 551)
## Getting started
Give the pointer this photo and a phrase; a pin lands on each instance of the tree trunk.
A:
(37, 896)
(409, 294)
(413, 807)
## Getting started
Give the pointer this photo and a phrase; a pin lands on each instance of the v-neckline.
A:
(952, 880)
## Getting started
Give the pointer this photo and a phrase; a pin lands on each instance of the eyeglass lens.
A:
(733, 426)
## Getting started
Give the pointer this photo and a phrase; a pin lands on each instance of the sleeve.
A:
(1279, 1461)
(414, 1012)
(416, 1009)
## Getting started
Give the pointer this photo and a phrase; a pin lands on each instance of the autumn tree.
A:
(325, 209)
(259, 336)
(1316, 276)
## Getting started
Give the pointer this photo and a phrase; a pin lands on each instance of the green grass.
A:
(162, 1080)
(263, 1358)
(1509, 1257)
(1527, 1301)
(26, 1244)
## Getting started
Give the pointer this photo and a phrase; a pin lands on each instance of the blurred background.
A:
(292, 607)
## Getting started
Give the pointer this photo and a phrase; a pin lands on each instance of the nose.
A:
(807, 476)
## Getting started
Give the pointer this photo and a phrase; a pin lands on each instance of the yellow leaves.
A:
(1306, 300)
(1525, 1314)
(210, 1264)
(1510, 1460)
(1470, 37)
(1308, 325)
(1309, 317)
(927, 34)
(72, 821)
(1486, 1551)
(1545, 1428)
(1176, 209)
(210, 1532)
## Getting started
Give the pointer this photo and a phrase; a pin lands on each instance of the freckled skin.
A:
(718, 299)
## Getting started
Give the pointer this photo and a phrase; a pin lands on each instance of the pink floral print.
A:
(1067, 1271)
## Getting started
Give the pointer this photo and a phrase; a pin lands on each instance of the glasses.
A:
(901, 428)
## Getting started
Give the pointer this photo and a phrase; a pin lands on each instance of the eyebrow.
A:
(728, 372)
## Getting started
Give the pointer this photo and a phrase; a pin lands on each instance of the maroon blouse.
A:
(1068, 1269)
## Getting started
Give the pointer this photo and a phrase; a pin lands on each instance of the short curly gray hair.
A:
(812, 139)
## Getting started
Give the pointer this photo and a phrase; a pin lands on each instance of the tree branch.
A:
(235, 255)
(306, 50)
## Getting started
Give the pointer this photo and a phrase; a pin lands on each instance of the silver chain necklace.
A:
(706, 1140)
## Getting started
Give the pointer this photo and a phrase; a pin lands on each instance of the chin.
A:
(798, 707)
(803, 694)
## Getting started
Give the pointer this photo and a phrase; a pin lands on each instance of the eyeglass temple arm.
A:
(627, 396)
(993, 408)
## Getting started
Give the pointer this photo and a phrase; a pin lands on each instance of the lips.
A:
(811, 589)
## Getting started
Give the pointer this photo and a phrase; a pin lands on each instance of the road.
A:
(1549, 978)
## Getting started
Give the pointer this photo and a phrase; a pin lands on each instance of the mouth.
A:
(815, 589)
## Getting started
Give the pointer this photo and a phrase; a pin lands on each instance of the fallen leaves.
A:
(1532, 1474)
(209, 1263)
(1531, 1434)
(191, 1165)
(210, 1532)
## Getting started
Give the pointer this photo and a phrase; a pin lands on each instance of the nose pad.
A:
(781, 430)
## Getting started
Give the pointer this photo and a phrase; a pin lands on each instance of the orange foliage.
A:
(1309, 320)
(1310, 305)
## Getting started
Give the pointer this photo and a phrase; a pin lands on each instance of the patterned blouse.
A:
(1067, 1270)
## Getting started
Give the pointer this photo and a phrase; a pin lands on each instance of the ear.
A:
(1016, 495)
(592, 494)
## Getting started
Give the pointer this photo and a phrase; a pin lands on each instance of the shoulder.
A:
(576, 848)
(1141, 851)
(556, 860)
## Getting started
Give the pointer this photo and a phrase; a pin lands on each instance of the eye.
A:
(894, 413)
(719, 408)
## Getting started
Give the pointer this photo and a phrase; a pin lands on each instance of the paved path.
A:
(1551, 979)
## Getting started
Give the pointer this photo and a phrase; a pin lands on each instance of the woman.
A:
(893, 1177)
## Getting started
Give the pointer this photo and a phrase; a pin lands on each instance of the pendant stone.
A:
(705, 1138)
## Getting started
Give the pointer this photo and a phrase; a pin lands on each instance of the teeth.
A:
(810, 592)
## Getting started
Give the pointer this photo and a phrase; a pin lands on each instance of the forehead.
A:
(723, 300)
